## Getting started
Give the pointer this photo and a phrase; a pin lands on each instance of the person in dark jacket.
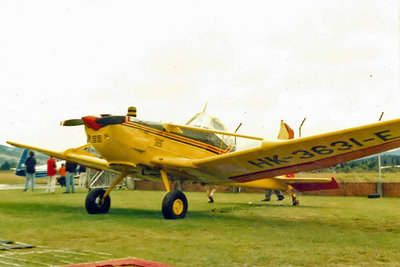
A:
(30, 163)
(70, 167)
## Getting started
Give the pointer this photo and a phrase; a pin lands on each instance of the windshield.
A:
(207, 121)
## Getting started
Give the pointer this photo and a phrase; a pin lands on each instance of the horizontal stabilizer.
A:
(301, 187)
(283, 183)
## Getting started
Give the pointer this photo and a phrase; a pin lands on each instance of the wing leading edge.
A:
(78, 155)
(303, 154)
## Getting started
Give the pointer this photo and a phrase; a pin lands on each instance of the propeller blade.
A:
(73, 122)
(111, 120)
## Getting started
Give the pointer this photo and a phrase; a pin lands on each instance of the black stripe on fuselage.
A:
(157, 129)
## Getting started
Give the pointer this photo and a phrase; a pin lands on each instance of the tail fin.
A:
(20, 170)
(286, 133)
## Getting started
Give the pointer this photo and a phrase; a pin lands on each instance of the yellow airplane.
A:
(203, 151)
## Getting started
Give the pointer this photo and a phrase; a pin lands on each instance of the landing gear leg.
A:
(174, 205)
(295, 200)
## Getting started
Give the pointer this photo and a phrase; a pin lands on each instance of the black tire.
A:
(93, 202)
(174, 205)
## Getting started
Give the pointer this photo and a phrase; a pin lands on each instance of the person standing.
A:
(70, 167)
(30, 163)
(62, 172)
(51, 175)
(82, 175)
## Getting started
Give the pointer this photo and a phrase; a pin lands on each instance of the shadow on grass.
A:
(39, 210)
(32, 209)
(212, 210)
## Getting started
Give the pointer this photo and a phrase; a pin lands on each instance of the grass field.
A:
(231, 232)
(8, 177)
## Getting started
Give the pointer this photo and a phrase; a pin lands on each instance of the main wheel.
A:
(174, 205)
(94, 203)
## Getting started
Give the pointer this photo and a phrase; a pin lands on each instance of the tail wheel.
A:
(295, 201)
(94, 202)
(174, 205)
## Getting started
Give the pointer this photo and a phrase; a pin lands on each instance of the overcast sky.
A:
(255, 62)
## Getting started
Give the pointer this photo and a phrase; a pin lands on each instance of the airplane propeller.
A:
(96, 122)
(104, 120)
(111, 120)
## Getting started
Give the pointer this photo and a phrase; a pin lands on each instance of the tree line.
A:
(6, 166)
(389, 163)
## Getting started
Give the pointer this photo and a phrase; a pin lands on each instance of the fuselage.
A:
(135, 143)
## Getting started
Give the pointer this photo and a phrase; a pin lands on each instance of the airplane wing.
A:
(276, 158)
(78, 155)
(270, 159)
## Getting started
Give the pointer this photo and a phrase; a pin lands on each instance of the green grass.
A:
(8, 177)
(231, 232)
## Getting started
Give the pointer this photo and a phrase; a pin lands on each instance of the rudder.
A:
(20, 170)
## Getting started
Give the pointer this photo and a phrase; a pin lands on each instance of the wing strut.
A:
(120, 177)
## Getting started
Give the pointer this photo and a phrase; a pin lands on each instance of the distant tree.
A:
(346, 169)
(372, 165)
(369, 164)
(6, 166)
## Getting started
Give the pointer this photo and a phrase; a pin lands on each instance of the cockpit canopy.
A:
(207, 121)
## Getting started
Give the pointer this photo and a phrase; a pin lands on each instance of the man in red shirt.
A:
(51, 175)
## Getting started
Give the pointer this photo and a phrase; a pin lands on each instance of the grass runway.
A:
(230, 232)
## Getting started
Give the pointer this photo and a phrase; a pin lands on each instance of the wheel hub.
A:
(177, 207)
